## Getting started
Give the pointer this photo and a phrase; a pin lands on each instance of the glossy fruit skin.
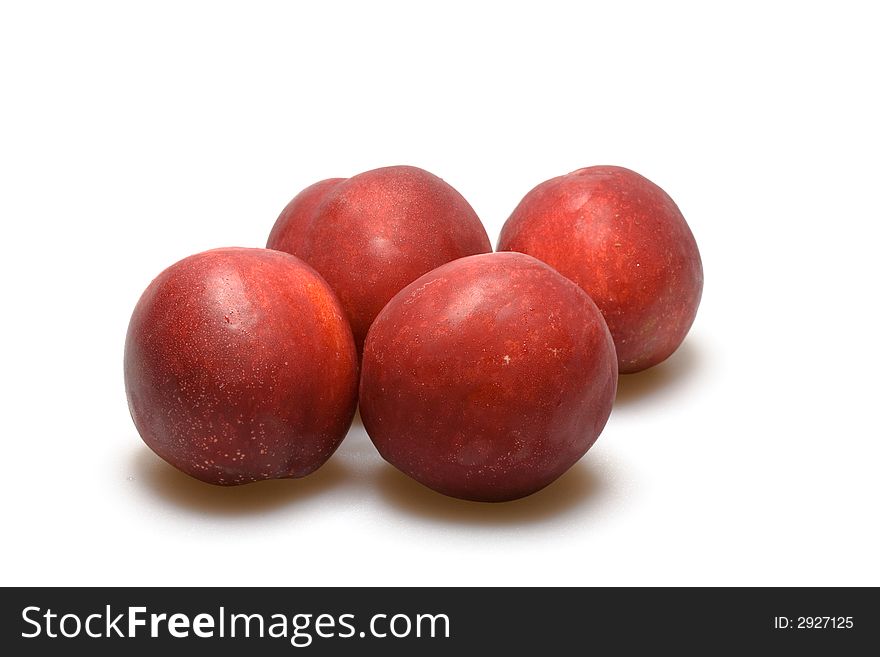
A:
(291, 229)
(487, 378)
(623, 240)
(371, 235)
(240, 366)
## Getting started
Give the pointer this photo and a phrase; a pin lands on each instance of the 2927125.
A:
(813, 622)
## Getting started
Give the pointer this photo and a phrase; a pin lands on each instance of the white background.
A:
(133, 135)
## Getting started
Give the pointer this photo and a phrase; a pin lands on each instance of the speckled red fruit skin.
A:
(623, 240)
(291, 230)
(371, 235)
(487, 378)
(240, 366)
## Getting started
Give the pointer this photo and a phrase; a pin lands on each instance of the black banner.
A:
(436, 621)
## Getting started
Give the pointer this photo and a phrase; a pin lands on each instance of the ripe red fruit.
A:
(240, 366)
(488, 377)
(372, 234)
(623, 240)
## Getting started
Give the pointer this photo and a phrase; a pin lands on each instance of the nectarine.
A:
(240, 366)
(488, 377)
(623, 240)
(372, 234)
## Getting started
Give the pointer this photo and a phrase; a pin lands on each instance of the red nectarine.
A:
(623, 240)
(239, 366)
(488, 377)
(372, 234)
